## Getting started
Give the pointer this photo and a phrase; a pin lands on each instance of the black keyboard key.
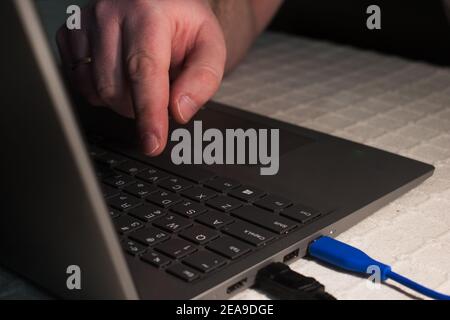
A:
(194, 173)
(214, 219)
(273, 203)
(155, 259)
(108, 191)
(199, 194)
(189, 209)
(164, 199)
(133, 248)
(132, 167)
(118, 181)
(183, 272)
(265, 219)
(147, 212)
(103, 172)
(204, 261)
(175, 184)
(229, 247)
(246, 193)
(249, 233)
(300, 213)
(152, 175)
(124, 202)
(199, 234)
(224, 203)
(149, 236)
(111, 159)
(125, 224)
(172, 223)
(140, 189)
(95, 152)
(113, 213)
(222, 184)
(176, 248)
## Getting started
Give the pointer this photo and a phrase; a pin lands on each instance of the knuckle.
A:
(141, 65)
(209, 74)
(105, 13)
(142, 5)
(102, 9)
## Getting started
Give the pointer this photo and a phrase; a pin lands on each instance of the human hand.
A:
(148, 58)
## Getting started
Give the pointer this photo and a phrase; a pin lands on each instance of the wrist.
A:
(238, 24)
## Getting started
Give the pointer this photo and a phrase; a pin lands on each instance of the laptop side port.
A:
(236, 286)
(291, 255)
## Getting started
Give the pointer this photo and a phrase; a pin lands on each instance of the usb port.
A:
(236, 286)
(291, 255)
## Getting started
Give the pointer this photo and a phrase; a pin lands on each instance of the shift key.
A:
(249, 233)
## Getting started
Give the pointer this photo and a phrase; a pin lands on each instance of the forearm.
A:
(242, 21)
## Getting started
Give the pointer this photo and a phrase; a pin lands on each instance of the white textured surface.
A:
(382, 101)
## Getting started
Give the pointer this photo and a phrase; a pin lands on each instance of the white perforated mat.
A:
(383, 101)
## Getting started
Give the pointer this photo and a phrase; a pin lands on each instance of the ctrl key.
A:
(183, 272)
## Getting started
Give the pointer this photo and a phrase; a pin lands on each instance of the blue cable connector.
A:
(344, 256)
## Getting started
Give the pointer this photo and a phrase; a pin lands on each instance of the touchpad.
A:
(216, 119)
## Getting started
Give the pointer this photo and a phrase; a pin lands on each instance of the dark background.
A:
(411, 28)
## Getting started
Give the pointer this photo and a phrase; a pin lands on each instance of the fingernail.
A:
(186, 108)
(150, 144)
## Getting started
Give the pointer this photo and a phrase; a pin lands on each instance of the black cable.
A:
(280, 282)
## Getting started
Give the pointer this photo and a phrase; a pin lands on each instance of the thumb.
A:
(201, 75)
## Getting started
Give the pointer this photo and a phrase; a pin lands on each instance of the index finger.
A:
(147, 50)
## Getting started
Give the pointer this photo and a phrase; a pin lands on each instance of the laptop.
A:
(78, 192)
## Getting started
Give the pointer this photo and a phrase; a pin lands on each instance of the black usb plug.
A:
(280, 282)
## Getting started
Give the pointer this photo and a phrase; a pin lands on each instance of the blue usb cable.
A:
(339, 254)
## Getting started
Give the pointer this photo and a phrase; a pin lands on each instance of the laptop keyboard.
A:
(192, 223)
